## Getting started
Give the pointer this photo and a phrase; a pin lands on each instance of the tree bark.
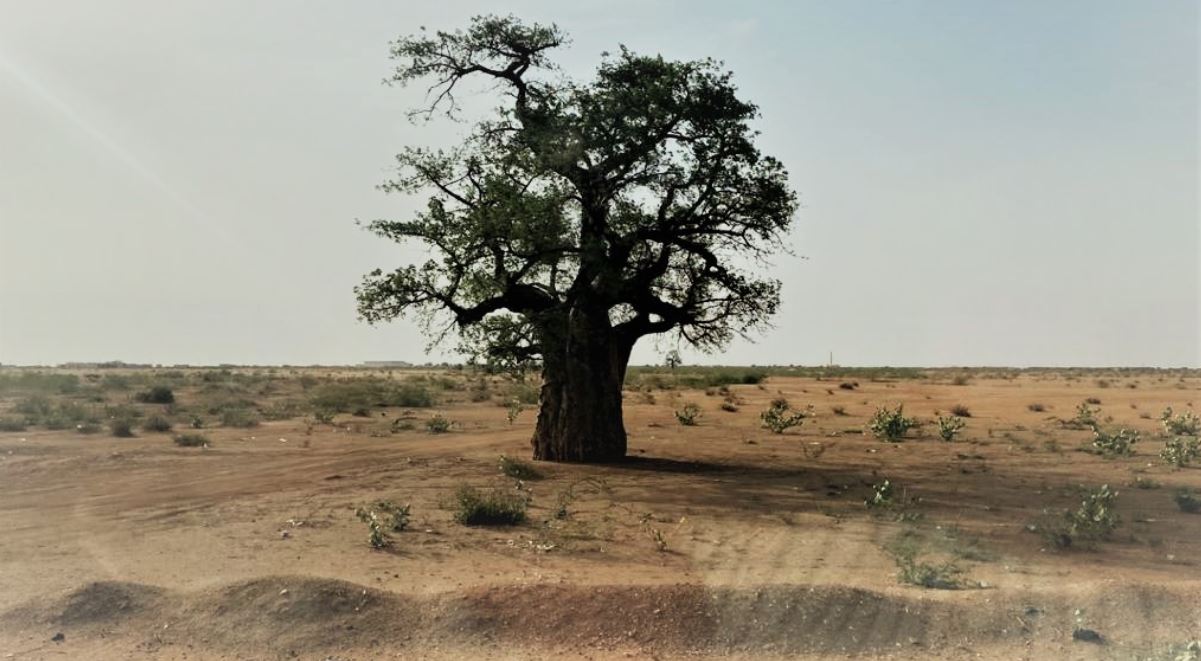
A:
(580, 419)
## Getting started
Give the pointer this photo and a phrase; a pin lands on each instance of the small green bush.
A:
(688, 415)
(922, 574)
(1086, 416)
(191, 440)
(949, 427)
(882, 495)
(438, 424)
(121, 427)
(239, 417)
(780, 416)
(518, 469)
(1186, 499)
(383, 517)
(156, 395)
(494, 508)
(1115, 444)
(156, 423)
(891, 425)
(1093, 521)
(1185, 424)
(1180, 451)
(12, 424)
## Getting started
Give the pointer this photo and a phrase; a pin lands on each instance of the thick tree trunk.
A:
(580, 415)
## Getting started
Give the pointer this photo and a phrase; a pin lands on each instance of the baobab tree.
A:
(579, 217)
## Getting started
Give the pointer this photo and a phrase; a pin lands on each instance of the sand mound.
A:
(283, 615)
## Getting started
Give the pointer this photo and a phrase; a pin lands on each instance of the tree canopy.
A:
(633, 192)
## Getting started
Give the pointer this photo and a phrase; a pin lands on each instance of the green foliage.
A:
(1094, 520)
(366, 393)
(156, 395)
(780, 416)
(1187, 500)
(191, 440)
(239, 417)
(383, 517)
(1114, 444)
(882, 496)
(12, 424)
(891, 424)
(1180, 451)
(949, 427)
(688, 415)
(1184, 424)
(943, 576)
(512, 410)
(157, 423)
(27, 382)
(493, 508)
(121, 427)
(1086, 416)
(672, 360)
(518, 469)
(437, 424)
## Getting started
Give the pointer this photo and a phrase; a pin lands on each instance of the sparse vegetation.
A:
(1114, 444)
(156, 395)
(438, 424)
(891, 424)
(1036, 407)
(121, 427)
(944, 576)
(689, 414)
(1180, 451)
(882, 495)
(239, 417)
(382, 518)
(492, 508)
(1093, 521)
(191, 440)
(949, 427)
(157, 423)
(961, 411)
(780, 416)
(518, 469)
(1184, 424)
(1187, 500)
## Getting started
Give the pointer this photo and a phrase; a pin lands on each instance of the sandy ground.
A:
(137, 548)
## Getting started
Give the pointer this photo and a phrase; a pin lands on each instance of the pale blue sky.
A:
(1003, 183)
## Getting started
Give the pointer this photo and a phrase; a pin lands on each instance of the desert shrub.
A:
(121, 427)
(1086, 416)
(438, 424)
(1115, 444)
(35, 407)
(525, 393)
(839, 410)
(1141, 482)
(518, 469)
(383, 517)
(191, 440)
(493, 508)
(960, 380)
(780, 416)
(961, 411)
(882, 495)
(688, 415)
(362, 394)
(943, 576)
(1180, 451)
(1187, 500)
(1093, 521)
(949, 427)
(402, 424)
(1185, 424)
(1092, 400)
(12, 424)
(156, 423)
(239, 417)
(847, 385)
(512, 410)
(30, 382)
(1036, 407)
(891, 425)
(729, 406)
(156, 395)
(88, 428)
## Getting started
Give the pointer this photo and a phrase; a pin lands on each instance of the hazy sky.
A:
(982, 182)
